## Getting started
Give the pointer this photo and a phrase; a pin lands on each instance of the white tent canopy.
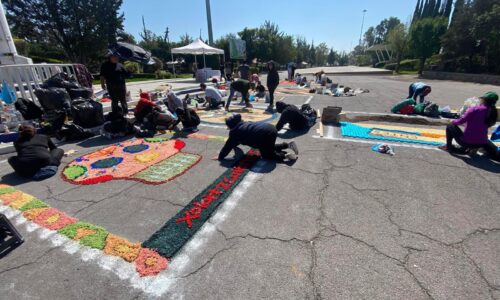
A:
(197, 47)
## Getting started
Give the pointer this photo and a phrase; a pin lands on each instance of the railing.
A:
(26, 78)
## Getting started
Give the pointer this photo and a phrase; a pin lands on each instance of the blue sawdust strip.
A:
(360, 132)
(175, 233)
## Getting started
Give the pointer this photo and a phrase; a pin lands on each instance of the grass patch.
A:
(408, 73)
(148, 77)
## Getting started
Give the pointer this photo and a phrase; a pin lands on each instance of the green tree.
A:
(126, 37)
(370, 37)
(83, 29)
(398, 40)
(425, 38)
(382, 29)
(332, 57)
(322, 51)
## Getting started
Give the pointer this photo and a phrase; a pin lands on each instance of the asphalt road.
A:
(343, 222)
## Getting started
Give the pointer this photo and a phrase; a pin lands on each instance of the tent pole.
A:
(173, 63)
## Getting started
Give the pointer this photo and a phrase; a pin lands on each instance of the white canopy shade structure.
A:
(197, 47)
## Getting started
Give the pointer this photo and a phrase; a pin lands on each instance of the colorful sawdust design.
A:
(179, 229)
(218, 117)
(383, 134)
(132, 160)
(170, 168)
(147, 261)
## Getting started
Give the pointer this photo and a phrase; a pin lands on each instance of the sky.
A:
(335, 22)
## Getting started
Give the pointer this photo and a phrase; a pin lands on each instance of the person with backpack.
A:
(291, 115)
(189, 118)
(242, 86)
(113, 75)
(273, 80)
(419, 89)
(34, 153)
(259, 135)
(477, 120)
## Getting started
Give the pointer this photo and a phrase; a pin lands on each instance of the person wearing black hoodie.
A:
(273, 80)
(257, 135)
(291, 114)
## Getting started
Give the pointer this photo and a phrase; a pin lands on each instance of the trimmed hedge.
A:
(406, 65)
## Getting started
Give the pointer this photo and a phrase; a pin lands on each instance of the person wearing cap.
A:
(476, 121)
(257, 135)
(419, 89)
(173, 102)
(113, 75)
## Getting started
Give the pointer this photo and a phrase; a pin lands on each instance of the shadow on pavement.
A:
(13, 179)
(99, 140)
(480, 162)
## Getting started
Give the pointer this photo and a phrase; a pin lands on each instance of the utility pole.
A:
(362, 25)
(209, 20)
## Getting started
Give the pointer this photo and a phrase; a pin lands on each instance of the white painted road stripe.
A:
(360, 141)
(309, 100)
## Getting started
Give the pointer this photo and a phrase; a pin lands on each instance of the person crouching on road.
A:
(34, 152)
(213, 96)
(242, 86)
(257, 135)
(291, 115)
(477, 120)
(419, 89)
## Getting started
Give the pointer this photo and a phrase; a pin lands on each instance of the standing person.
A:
(229, 71)
(213, 96)
(113, 75)
(222, 69)
(419, 89)
(242, 86)
(34, 152)
(477, 120)
(291, 70)
(273, 80)
(194, 69)
(258, 135)
(244, 71)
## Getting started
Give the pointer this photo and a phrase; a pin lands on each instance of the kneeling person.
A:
(213, 96)
(290, 114)
(258, 135)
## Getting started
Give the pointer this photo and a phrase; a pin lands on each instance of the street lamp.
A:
(362, 25)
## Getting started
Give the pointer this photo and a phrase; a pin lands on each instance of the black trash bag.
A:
(53, 99)
(55, 119)
(432, 110)
(310, 114)
(73, 132)
(83, 92)
(87, 113)
(61, 80)
(28, 109)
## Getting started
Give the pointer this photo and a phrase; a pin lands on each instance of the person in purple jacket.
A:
(477, 120)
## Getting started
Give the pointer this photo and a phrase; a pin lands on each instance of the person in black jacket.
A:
(34, 151)
(273, 80)
(242, 86)
(113, 75)
(291, 114)
(257, 135)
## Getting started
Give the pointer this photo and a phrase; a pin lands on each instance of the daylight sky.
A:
(336, 22)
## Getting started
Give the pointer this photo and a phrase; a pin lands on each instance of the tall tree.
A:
(437, 8)
(398, 40)
(83, 29)
(425, 38)
(322, 51)
(383, 29)
(416, 13)
(370, 37)
(332, 57)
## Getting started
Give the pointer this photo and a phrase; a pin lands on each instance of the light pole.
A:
(362, 25)
(209, 20)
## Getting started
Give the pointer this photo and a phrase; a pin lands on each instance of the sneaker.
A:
(291, 157)
(270, 109)
(249, 105)
(293, 146)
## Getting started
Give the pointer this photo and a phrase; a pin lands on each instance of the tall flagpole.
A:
(209, 20)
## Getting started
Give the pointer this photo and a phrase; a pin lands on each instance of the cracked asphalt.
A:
(342, 223)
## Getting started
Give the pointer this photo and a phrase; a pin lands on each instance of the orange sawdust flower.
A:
(118, 246)
(150, 263)
(54, 219)
(7, 199)
(33, 213)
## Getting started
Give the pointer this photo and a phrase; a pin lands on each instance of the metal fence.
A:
(26, 78)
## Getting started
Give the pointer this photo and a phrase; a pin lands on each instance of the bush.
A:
(380, 65)
(132, 67)
(160, 74)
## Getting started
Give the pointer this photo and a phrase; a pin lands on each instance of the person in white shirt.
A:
(213, 96)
